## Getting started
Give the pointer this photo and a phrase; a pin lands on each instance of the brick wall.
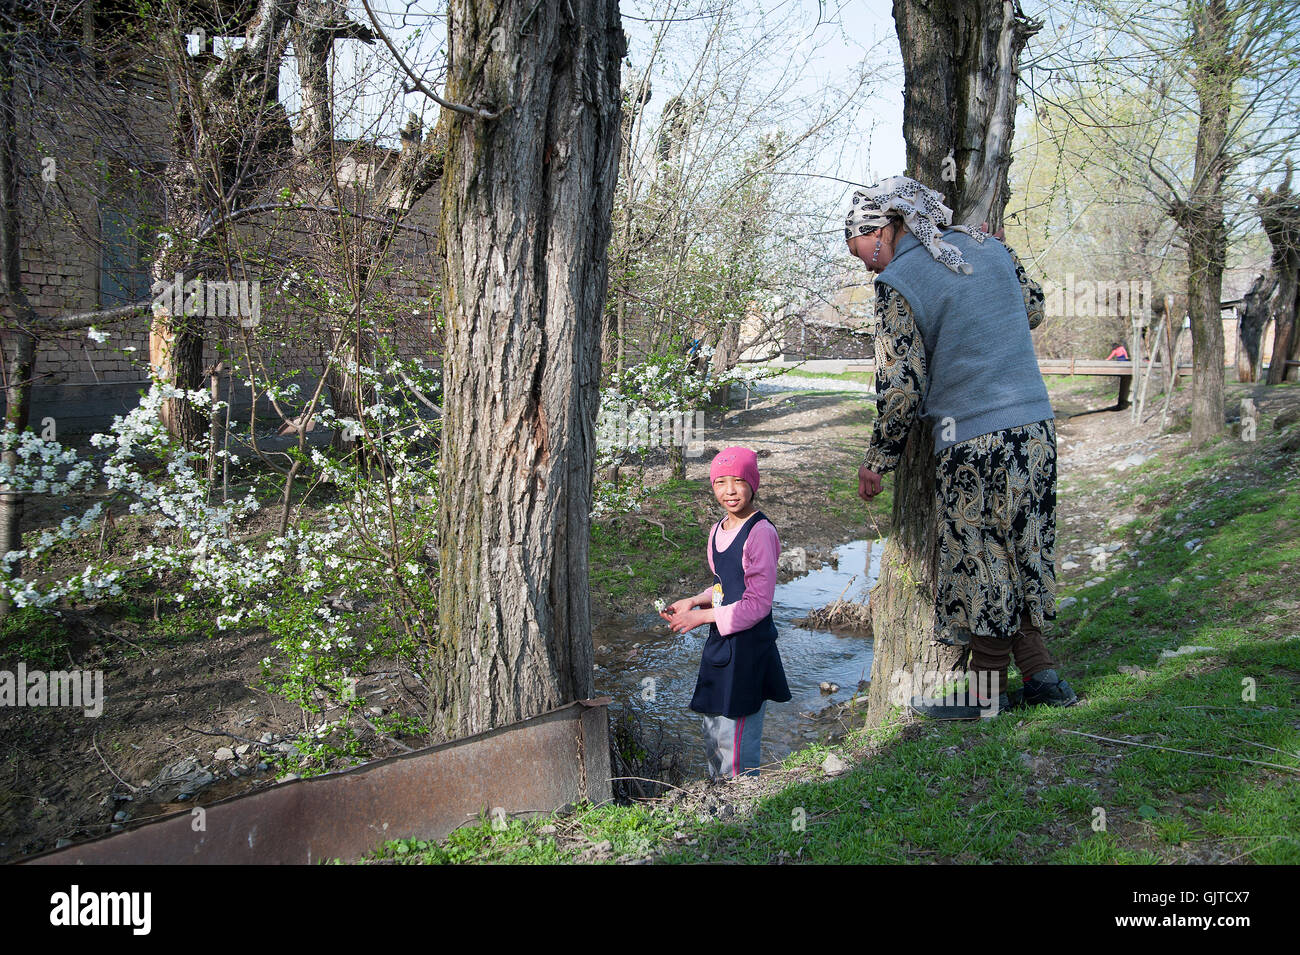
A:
(80, 134)
(61, 251)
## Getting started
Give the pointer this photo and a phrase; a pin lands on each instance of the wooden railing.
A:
(1062, 366)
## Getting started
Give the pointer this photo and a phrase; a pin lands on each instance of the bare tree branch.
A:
(419, 83)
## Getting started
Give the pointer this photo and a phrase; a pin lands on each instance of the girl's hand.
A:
(688, 619)
(684, 605)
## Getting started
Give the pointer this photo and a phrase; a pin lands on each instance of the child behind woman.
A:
(740, 668)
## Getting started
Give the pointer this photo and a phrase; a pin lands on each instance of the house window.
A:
(126, 235)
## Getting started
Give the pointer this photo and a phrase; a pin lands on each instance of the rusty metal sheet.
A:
(534, 766)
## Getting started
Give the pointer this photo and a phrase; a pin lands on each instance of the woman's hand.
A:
(689, 619)
(869, 483)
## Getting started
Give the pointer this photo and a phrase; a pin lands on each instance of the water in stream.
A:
(810, 657)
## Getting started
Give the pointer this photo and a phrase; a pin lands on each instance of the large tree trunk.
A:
(176, 349)
(1205, 246)
(1250, 325)
(20, 357)
(1201, 214)
(527, 199)
(725, 357)
(1279, 211)
(959, 65)
(19, 344)
(1286, 312)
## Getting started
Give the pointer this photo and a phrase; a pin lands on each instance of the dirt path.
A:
(810, 446)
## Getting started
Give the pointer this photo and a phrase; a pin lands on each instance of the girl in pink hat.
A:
(740, 668)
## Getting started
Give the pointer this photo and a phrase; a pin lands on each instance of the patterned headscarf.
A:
(921, 208)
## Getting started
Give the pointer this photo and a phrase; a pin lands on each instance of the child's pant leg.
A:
(734, 747)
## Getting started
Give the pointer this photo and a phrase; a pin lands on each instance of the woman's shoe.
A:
(1047, 689)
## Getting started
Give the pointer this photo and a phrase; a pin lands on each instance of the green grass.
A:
(843, 503)
(630, 831)
(35, 636)
(965, 793)
(636, 556)
(1027, 787)
(1089, 384)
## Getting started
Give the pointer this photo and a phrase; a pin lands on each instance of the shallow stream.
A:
(634, 649)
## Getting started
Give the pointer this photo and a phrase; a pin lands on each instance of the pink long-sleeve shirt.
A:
(758, 560)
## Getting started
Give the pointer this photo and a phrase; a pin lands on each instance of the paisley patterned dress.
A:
(995, 493)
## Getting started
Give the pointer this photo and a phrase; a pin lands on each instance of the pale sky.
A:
(844, 35)
(849, 33)
(883, 152)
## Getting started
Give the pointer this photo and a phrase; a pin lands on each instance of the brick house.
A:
(842, 328)
(94, 141)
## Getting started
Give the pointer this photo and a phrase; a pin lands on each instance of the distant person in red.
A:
(1118, 353)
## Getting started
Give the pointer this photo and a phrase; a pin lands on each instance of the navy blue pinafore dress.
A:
(738, 672)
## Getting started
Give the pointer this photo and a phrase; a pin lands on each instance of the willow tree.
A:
(1217, 81)
(527, 196)
(1279, 212)
(1216, 72)
(959, 101)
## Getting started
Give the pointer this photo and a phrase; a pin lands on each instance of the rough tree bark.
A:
(1250, 325)
(527, 200)
(1279, 211)
(1200, 215)
(959, 98)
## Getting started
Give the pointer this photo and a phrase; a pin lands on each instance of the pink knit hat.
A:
(736, 462)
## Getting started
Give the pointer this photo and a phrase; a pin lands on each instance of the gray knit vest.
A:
(981, 369)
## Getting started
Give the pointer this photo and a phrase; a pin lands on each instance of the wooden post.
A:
(1137, 361)
(1146, 379)
(1178, 347)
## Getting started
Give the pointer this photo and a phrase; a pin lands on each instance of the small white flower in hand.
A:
(660, 605)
